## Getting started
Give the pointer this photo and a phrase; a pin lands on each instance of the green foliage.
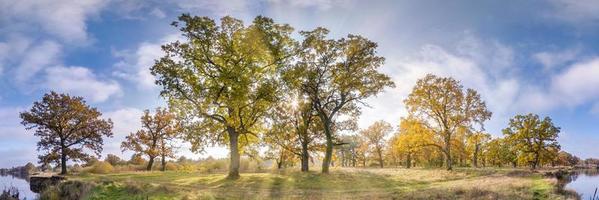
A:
(221, 80)
(533, 138)
(336, 76)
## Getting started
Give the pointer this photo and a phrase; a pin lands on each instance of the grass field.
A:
(387, 183)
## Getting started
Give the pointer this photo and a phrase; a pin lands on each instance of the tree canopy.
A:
(222, 79)
(441, 104)
(66, 126)
(156, 136)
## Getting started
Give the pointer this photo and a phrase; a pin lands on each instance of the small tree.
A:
(475, 142)
(66, 126)
(533, 138)
(112, 159)
(156, 137)
(375, 137)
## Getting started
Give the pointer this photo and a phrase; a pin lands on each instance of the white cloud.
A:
(156, 12)
(489, 78)
(62, 18)
(578, 84)
(126, 120)
(80, 81)
(20, 149)
(575, 86)
(550, 60)
(135, 66)
(36, 58)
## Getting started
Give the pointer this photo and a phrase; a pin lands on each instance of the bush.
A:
(172, 166)
(69, 190)
(102, 167)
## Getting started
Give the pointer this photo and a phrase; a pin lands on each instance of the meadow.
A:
(341, 183)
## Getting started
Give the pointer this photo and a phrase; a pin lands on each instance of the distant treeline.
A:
(19, 171)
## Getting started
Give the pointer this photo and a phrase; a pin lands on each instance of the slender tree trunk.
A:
(305, 157)
(536, 161)
(448, 158)
(234, 153)
(163, 163)
(409, 160)
(475, 157)
(381, 162)
(63, 160)
(343, 158)
(326, 162)
(150, 163)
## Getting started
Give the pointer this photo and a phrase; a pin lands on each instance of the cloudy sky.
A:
(522, 56)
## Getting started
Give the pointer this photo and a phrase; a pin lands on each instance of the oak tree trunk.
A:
(234, 153)
(150, 163)
(326, 162)
(63, 160)
(304, 158)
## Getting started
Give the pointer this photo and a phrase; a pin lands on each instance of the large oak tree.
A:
(338, 75)
(442, 105)
(66, 127)
(222, 79)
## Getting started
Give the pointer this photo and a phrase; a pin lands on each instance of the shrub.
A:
(67, 190)
(172, 166)
(102, 167)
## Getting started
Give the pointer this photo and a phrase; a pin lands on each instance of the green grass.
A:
(386, 183)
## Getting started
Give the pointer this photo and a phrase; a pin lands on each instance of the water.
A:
(584, 182)
(8, 181)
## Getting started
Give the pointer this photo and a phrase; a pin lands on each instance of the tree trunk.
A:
(163, 163)
(326, 162)
(475, 157)
(448, 157)
(234, 153)
(343, 158)
(150, 163)
(63, 161)
(381, 162)
(535, 162)
(409, 160)
(305, 157)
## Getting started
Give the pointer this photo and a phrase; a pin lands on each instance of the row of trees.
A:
(255, 85)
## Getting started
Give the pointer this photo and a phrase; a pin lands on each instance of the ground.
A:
(389, 183)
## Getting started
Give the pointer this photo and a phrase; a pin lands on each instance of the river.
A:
(584, 182)
(21, 183)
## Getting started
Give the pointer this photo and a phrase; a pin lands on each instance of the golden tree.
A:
(444, 107)
(155, 138)
(375, 138)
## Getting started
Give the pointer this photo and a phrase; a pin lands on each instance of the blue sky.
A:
(522, 56)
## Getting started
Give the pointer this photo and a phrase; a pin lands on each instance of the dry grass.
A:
(387, 183)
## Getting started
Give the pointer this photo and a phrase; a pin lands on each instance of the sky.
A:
(522, 57)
